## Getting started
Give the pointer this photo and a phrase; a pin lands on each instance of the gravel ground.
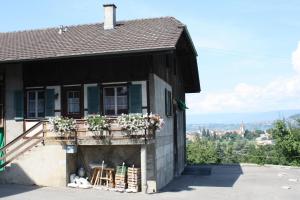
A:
(235, 182)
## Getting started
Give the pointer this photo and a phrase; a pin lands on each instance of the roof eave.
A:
(90, 55)
(190, 39)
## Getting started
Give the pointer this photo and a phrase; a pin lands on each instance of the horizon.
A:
(237, 118)
(253, 52)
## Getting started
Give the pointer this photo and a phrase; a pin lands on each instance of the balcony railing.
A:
(114, 136)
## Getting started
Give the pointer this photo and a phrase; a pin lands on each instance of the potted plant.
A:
(62, 126)
(97, 124)
(154, 122)
(132, 123)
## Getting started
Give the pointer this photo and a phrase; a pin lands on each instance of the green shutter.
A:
(93, 98)
(2, 143)
(168, 102)
(135, 99)
(50, 100)
(19, 104)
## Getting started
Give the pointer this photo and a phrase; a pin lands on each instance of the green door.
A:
(1, 145)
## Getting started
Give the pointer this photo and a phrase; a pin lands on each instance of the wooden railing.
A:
(22, 143)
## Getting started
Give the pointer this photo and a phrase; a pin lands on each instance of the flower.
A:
(138, 122)
(62, 125)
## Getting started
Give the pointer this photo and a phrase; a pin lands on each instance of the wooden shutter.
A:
(135, 98)
(50, 102)
(168, 102)
(93, 98)
(19, 104)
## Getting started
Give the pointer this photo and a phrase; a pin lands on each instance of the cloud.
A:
(278, 94)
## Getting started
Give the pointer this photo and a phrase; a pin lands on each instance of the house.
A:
(110, 68)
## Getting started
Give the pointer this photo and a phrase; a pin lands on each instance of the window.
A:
(73, 98)
(115, 100)
(168, 102)
(35, 104)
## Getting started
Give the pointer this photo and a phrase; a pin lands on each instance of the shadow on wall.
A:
(112, 156)
(15, 175)
(206, 176)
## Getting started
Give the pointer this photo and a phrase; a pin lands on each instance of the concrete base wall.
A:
(164, 141)
(180, 142)
(43, 165)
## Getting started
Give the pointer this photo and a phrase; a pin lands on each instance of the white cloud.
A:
(280, 93)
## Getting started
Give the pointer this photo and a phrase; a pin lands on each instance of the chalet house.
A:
(110, 68)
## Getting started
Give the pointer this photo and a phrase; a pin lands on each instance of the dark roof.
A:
(91, 39)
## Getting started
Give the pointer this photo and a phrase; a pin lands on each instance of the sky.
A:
(248, 51)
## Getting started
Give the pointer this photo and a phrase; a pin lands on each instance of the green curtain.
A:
(1, 145)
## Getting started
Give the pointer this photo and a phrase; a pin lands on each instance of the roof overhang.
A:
(130, 51)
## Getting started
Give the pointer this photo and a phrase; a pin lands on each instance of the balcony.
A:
(82, 136)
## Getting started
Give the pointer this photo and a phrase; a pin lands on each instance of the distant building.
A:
(192, 136)
(264, 139)
(242, 130)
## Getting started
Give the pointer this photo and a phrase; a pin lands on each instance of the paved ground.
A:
(225, 182)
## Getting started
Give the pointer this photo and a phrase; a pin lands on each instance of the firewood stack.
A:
(121, 178)
(134, 179)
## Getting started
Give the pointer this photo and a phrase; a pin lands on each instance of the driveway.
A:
(232, 182)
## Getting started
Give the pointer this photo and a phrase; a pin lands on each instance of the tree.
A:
(201, 151)
(287, 142)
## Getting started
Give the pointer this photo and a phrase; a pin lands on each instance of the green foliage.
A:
(249, 135)
(205, 152)
(97, 123)
(287, 141)
(232, 148)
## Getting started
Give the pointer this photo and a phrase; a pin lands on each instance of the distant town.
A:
(257, 131)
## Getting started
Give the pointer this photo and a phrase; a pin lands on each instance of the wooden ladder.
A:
(16, 150)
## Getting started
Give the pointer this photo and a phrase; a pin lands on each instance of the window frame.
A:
(69, 103)
(115, 98)
(36, 91)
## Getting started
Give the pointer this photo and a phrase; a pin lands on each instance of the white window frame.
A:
(115, 98)
(73, 92)
(36, 103)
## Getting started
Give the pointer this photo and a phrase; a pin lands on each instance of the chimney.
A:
(109, 16)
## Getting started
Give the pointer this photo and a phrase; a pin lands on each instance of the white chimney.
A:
(109, 16)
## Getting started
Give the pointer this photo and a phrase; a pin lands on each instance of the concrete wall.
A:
(180, 142)
(43, 165)
(164, 152)
(13, 82)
